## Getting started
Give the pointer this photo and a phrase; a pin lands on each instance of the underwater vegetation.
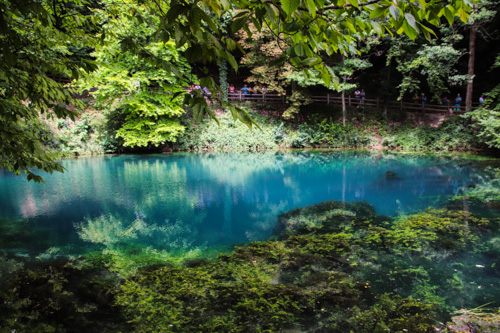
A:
(333, 267)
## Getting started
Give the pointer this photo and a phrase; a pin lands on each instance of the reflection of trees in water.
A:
(236, 168)
(159, 187)
(119, 181)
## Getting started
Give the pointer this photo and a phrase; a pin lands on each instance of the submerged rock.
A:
(390, 175)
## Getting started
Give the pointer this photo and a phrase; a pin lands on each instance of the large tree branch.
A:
(364, 4)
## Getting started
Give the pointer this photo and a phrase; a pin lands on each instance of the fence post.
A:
(401, 105)
(327, 99)
(377, 102)
(349, 99)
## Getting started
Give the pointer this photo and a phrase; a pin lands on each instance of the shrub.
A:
(231, 134)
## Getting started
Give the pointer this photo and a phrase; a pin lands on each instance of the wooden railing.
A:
(351, 101)
(257, 97)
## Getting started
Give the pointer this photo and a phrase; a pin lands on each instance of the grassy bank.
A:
(316, 127)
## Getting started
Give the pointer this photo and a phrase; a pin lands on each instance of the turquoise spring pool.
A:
(209, 200)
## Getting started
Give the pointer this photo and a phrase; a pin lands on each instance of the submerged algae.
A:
(336, 267)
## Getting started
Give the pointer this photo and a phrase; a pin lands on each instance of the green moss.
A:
(349, 270)
(58, 296)
(438, 229)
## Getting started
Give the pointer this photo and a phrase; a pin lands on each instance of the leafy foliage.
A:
(454, 134)
(42, 44)
(434, 63)
(313, 29)
(329, 134)
(134, 87)
(488, 117)
(86, 135)
(261, 49)
(229, 134)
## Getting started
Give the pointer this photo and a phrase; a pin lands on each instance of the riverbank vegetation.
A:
(95, 133)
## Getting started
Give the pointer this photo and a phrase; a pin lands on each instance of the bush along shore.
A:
(333, 267)
(94, 132)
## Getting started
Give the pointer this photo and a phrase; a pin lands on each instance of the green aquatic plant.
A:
(58, 296)
(350, 270)
(304, 282)
(107, 229)
(9, 266)
(438, 229)
(221, 295)
(483, 193)
(14, 233)
(124, 248)
(426, 256)
(394, 314)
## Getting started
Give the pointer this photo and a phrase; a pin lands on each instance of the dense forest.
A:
(95, 77)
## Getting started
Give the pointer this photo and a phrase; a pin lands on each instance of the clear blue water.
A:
(215, 199)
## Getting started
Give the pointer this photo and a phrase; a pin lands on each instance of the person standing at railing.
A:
(423, 99)
(416, 98)
(357, 94)
(481, 99)
(230, 92)
(446, 103)
(244, 90)
(363, 96)
(458, 102)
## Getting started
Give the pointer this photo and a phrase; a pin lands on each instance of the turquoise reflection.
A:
(179, 201)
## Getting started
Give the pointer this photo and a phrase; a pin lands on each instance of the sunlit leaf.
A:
(311, 7)
(411, 21)
(290, 6)
(378, 12)
(395, 12)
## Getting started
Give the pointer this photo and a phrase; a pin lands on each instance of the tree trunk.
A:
(343, 108)
(472, 56)
(344, 78)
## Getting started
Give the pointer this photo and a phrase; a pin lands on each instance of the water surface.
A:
(186, 200)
